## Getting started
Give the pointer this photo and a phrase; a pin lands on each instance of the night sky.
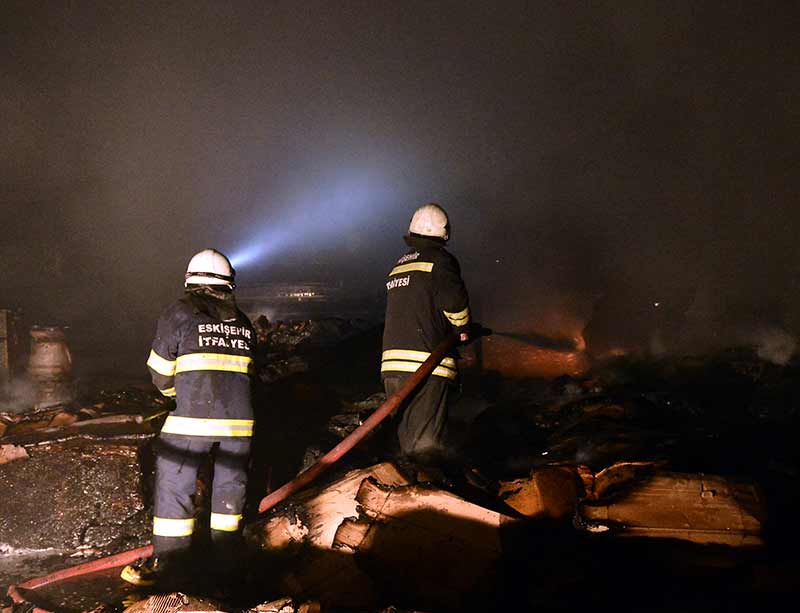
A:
(644, 149)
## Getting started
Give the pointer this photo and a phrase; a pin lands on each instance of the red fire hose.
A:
(356, 436)
(119, 559)
(279, 495)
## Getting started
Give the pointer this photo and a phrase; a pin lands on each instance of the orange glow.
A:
(513, 358)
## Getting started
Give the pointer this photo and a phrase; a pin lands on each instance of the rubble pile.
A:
(288, 347)
(353, 415)
(342, 424)
(691, 412)
(383, 534)
(121, 414)
(680, 464)
(74, 479)
(288, 336)
(575, 492)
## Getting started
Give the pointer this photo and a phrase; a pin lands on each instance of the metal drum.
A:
(50, 366)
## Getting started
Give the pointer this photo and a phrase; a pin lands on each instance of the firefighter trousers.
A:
(178, 459)
(422, 418)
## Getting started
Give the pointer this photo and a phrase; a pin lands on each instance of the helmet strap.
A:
(436, 239)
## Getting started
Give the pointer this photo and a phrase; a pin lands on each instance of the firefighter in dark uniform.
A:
(426, 301)
(203, 356)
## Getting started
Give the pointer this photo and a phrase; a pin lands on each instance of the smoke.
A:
(18, 396)
(775, 345)
(580, 149)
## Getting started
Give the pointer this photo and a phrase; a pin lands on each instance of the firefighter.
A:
(203, 356)
(426, 301)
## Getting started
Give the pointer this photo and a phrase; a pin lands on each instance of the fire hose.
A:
(357, 435)
(279, 495)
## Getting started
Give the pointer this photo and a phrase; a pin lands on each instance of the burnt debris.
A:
(555, 489)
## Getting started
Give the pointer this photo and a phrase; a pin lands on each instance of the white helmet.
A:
(430, 220)
(210, 267)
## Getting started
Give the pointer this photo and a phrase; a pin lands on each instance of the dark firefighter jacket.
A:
(206, 363)
(426, 300)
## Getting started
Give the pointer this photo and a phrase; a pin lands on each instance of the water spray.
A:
(541, 341)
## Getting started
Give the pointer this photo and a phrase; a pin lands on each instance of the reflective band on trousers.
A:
(409, 360)
(161, 365)
(214, 361)
(224, 522)
(163, 526)
(169, 392)
(195, 426)
(458, 319)
(418, 266)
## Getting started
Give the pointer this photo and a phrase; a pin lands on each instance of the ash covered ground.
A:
(592, 446)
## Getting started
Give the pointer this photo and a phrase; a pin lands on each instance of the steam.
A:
(19, 396)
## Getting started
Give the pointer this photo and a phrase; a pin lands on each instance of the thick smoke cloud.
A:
(584, 151)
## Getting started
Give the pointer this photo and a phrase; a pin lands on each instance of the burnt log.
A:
(299, 534)
(424, 545)
(61, 419)
(550, 492)
(697, 508)
(313, 516)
